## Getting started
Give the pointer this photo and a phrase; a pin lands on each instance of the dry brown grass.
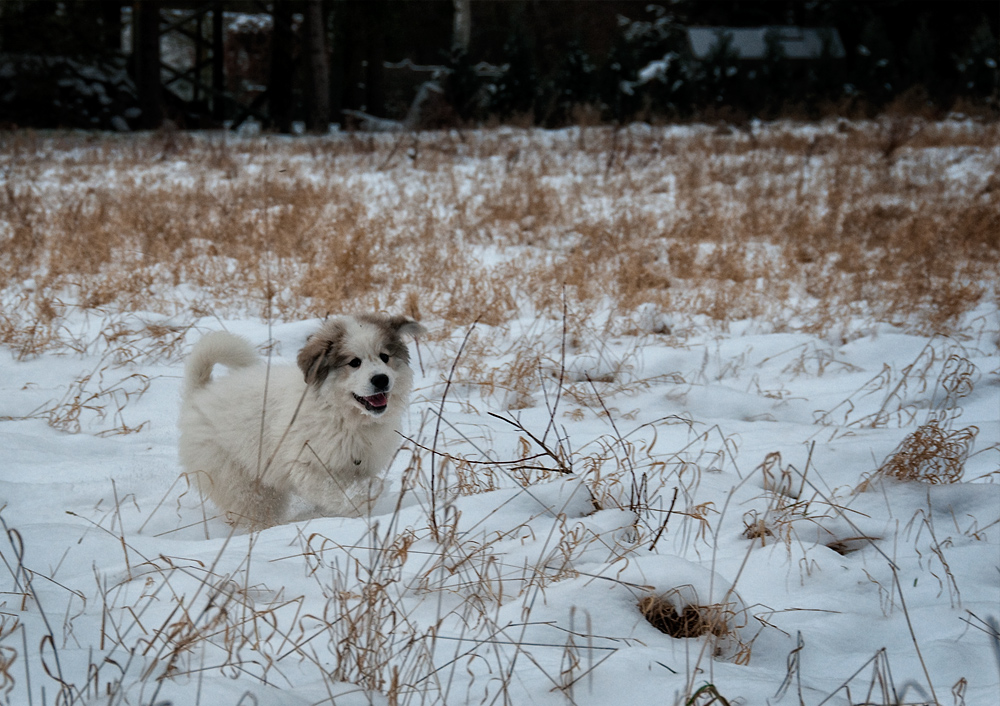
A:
(794, 225)
(692, 621)
(929, 454)
(679, 614)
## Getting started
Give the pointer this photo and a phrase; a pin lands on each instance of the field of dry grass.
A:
(799, 226)
(526, 252)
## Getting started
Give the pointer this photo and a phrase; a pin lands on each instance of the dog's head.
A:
(362, 361)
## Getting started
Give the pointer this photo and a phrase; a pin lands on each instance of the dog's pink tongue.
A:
(379, 400)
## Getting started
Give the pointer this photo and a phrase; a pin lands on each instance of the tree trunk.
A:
(377, 11)
(351, 50)
(319, 69)
(218, 64)
(461, 26)
(111, 26)
(279, 84)
(146, 55)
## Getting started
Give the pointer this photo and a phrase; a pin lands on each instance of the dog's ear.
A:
(406, 326)
(312, 360)
(318, 355)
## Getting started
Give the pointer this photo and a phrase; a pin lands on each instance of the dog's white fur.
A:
(323, 431)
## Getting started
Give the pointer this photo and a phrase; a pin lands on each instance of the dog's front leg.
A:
(335, 491)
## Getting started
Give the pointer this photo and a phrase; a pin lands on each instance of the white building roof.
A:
(751, 42)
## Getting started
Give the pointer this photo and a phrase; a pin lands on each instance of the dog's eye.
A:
(355, 363)
(384, 357)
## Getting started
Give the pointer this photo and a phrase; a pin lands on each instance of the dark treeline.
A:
(432, 63)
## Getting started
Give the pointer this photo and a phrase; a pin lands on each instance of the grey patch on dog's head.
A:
(393, 328)
(323, 352)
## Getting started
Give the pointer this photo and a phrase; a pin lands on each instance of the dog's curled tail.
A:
(217, 347)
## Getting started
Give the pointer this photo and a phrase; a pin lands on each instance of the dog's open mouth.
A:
(374, 403)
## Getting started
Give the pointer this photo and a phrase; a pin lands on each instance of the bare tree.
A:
(279, 86)
(461, 26)
(319, 68)
(146, 54)
(218, 63)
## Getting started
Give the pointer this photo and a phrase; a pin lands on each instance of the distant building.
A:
(751, 43)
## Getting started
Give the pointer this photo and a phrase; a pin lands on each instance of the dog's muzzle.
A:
(376, 403)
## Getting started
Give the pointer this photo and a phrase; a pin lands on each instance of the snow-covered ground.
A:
(644, 454)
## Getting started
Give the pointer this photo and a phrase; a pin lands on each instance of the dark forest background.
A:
(382, 64)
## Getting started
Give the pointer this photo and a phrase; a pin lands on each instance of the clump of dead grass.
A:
(679, 614)
(692, 621)
(931, 454)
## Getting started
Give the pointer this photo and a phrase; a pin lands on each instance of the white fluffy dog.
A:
(324, 430)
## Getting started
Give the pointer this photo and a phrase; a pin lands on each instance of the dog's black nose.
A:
(380, 382)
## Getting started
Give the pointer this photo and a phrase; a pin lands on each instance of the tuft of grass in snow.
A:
(691, 621)
(929, 454)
